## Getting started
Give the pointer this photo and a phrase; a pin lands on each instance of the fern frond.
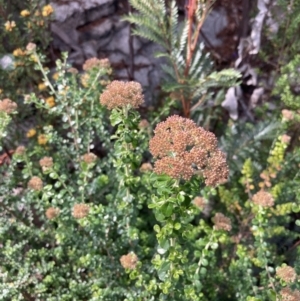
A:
(173, 23)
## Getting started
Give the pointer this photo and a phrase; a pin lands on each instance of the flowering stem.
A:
(44, 74)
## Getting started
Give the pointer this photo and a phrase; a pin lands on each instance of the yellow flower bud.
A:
(25, 13)
(47, 10)
(31, 133)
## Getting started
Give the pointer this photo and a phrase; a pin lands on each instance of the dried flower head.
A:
(35, 183)
(285, 139)
(199, 202)
(46, 163)
(263, 199)
(129, 261)
(288, 295)
(89, 158)
(95, 63)
(80, 210)
(20, 150)
(121, 94)
(7, 106)
(286, 273)
(144, 124)
(221, 222)
(184, 149)
(52, 213)
(146, 167)
(287, 114)
(73, 70)
(30, 47)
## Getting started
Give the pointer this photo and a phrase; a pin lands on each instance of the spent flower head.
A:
(221, 222)
(183, 149)
(120, 94)
(95, 63)
(287, 115)
(20, 150)
(286, 273)
(129, 261)
(30, 47)
(35, 183)
(52, 213)
(288, 295)
(263, 198)
(46, 163)
(80, 210)
(146, 167)
(199, 202)
(7, 106)
(89, 158)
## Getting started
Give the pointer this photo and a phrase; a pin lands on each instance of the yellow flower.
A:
(31, 133)
(9, 25)
(50, 101)
(42, 86)
(42, 139)
(55, 76)
(25, 13)
(28, 24)
(18, 52)
(47, 10)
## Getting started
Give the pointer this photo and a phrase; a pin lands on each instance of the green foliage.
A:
(84, 216)
(287, 85)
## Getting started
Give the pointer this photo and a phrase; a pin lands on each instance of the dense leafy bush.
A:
(99, 204)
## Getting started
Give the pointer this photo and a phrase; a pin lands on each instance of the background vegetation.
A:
(97, 203)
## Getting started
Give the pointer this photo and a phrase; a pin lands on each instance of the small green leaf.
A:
(163, 247)
(163, 271)
(115, 117)
(167, 209)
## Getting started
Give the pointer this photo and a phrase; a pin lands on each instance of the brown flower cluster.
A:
(199, 202)
(288, 295)
(30, 47)
(52, 213)
(80, 210)
(287, 114)
(129, 261)
(35, 183)
(89, 158)
(7, 106)
(221, 222)
(20, 150)
(263, 199)
(144, 124)
(184, 149)
(285, 139)
(46, 163)
(146, 167)
(286, 273)
(95, 63)
(121, 94)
